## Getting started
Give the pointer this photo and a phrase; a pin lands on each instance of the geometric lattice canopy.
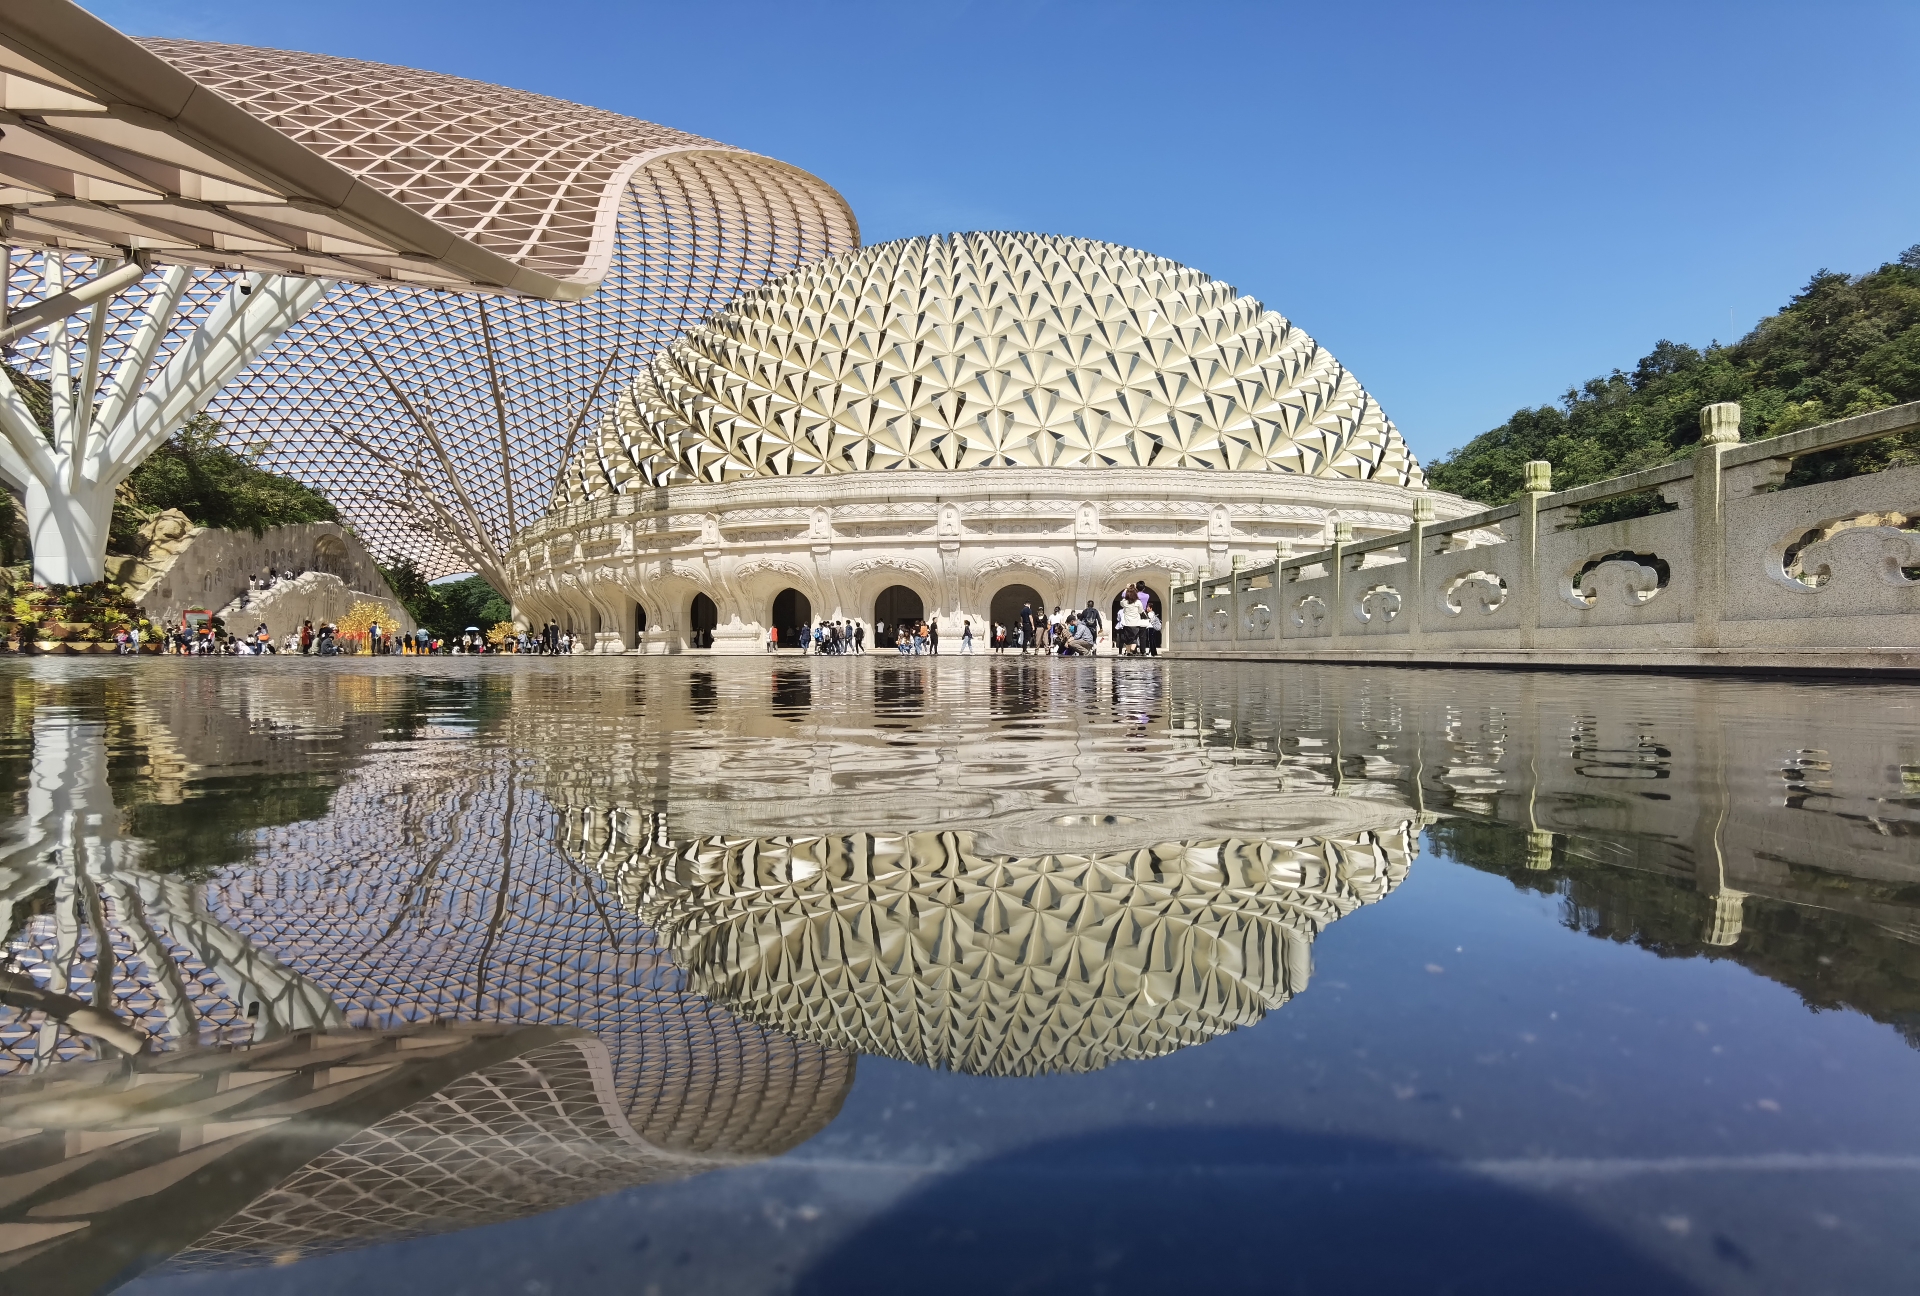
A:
(109, 148)
(997, 350)
(576, 240)
(438, 422)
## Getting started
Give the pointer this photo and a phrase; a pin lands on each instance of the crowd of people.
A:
(1136, 632)
(209, 637)
(827, 639)
(1136, 629)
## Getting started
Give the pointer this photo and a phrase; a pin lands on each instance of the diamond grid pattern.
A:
(27, 283)
(695, 231)
(36, 951)
(986, 351)
(520, 174)
(506, 384)
(434, 890)
(523, 1136)
(918, 947)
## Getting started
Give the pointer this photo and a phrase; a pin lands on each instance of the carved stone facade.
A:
(624, 572)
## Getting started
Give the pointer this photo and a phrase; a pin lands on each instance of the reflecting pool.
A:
(678, 975)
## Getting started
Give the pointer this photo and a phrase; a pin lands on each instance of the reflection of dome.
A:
(917, 947)
(992, 350)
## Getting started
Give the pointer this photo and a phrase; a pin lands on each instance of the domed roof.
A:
(986, 351)
(920, 947)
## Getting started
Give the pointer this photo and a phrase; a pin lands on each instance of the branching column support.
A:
(69, 478)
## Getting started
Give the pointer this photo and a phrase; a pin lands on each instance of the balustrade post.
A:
(1538, 485)
(1719, 432)
(1413, 603)
(1282, 552)
(1337, 604)
(1200, 602)
(1235, 600)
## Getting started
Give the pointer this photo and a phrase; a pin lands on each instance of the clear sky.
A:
(1474, 206)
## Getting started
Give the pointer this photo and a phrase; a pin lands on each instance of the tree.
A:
(446, 609)
(1842, 346)
(216, 486)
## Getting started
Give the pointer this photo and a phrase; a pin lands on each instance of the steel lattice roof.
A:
(438, 421)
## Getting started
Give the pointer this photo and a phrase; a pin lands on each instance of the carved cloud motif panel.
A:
(987, 351)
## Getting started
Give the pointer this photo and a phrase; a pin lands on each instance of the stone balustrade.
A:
(1743, 571)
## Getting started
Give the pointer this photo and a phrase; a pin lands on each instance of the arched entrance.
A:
(792, 613)
(330, 555)
(640, 618)
(1006, 605)
(702, 618)
(896, 604)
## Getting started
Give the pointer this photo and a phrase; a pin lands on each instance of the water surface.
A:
(983, 975)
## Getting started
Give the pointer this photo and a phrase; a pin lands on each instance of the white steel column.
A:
(69, 479)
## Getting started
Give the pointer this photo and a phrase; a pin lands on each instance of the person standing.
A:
(966, 638)
(306, 637)
(373, 638)
(1026, 629)
(933, 637)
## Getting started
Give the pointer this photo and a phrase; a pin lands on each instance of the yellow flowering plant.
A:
(357, 625)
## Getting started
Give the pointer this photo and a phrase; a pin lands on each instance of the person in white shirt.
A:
(1126, 631)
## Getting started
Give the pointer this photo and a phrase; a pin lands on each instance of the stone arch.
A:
(790, 613)
(703, 618)
(893, 605)
(1004, 609)
(330, 556)
(1041, 575)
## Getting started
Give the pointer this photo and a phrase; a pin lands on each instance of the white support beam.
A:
(68, 480)
(30, 319)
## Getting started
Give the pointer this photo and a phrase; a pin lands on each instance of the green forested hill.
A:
(1844, 345)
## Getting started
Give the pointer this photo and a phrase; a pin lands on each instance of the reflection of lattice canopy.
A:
(528, 1134)
(916, 947)
(987, 351)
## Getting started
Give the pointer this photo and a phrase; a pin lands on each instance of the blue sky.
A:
(1474, 206)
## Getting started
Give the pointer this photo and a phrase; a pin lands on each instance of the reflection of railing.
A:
(1704, 818)
(1741, 571)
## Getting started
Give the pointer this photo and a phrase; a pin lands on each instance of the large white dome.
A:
(997, 350)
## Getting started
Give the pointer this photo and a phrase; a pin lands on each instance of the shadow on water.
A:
(1234, 1209)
